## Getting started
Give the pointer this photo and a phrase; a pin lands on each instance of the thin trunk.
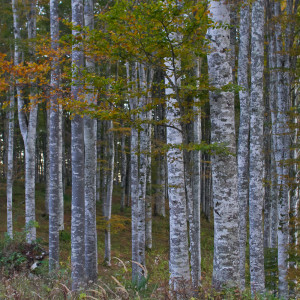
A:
(195, 248)
(98, 177)
(282, 154)
(123, 171)
(60, 169)
(142, 173)
(47, 164)
(148, 213)
(243, 147)
(109, 191)
(10, 162)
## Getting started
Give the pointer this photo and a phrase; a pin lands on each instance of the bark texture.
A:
(224, 167)
(90, 139)
(10, 162)
(77, 153)
(256, 163)
(180, 277)
(243, 146)
(54, 208)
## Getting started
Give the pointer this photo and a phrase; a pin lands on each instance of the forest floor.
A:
(18, 281)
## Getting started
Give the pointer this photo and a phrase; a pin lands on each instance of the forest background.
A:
(121, 121)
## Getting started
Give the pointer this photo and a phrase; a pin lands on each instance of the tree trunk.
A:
(243, 147)
(10, 162)
(282, 155)
(179, 259)
(195, 248)
(224, 167)
(77, 153)
(54, 209)
(134, 177)
(256, 162)
(90, 139)
(60, 169)
(123, 171)
(109, 191)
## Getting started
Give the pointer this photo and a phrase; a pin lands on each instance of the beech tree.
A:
(77, 146)
(224, 167)
(243, 148)
(90, 138)
(256, 161)
(54, 208)
(141, 68)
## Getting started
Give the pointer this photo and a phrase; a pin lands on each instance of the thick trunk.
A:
(77, 153)
(90, 139)
(134, 178)
(243, 147)
(256, 163)
(179, 259)
(224, 167)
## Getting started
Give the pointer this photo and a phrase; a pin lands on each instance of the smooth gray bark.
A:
(180, 277)
(47, 165)
(141, 207)
(256, 161)
(54, 208)
(109, 190)
(90, 140)
(195, 248)
(131, 70)
(243, 141)
(273, 110)
(27, 127)
(60, 168)
(224, 167)
(77, 153)
(10, 162)
(148, 197)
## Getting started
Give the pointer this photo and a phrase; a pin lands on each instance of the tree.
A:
(90, 135)
(256, 161)
(54, 145)
(77, 146)
(28, 129)
(224, 167)
(10, 163)
(243, 147)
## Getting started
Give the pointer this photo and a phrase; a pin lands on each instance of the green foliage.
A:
(16, 254)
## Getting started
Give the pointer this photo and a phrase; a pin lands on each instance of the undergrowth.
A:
(18, 280)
